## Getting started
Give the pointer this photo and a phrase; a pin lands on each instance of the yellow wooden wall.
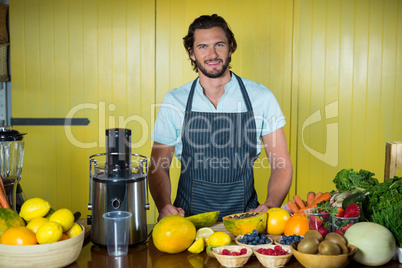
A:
(333, 66)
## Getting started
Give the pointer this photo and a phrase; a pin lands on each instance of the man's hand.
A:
(261, 207)
(170, 210)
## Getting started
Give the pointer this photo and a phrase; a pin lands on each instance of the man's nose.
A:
(212, 53)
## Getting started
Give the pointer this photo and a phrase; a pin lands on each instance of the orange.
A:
(297, 224)
(18, 236)
(173, 234)
(63, 237)
(277, 218)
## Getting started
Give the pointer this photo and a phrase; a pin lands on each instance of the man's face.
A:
(211, 51)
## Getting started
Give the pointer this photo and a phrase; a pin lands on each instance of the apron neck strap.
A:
(242, 89)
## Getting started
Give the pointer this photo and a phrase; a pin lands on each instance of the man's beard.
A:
(213, 74)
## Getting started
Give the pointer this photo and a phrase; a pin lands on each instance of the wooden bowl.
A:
(273, 261)
(232, 261)
(323, 261)
(247, 245)
(58, 254)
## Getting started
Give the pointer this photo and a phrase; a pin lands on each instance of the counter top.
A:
(146, 255)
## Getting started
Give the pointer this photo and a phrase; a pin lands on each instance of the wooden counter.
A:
(146, 255)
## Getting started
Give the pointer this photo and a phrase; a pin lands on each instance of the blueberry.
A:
(255, 232)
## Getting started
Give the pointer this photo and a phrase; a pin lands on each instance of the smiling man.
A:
(216, 126)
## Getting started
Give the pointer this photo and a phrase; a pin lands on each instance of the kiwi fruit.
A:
(308, 245)
(336, 238)
(314, 233)
(344, 248)
(327, 247)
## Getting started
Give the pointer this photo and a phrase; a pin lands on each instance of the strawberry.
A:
(352, 211)
(323, 231)
(315, 222)
(342, 230)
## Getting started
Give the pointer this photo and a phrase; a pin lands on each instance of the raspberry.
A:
(225, 252)
(234, 253)
(270, 251)
(243, 251)
(277, 248)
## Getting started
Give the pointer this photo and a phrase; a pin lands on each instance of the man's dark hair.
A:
(208, 22)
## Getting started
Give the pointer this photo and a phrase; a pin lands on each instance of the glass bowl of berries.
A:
(232, 256)
(273, 255)
(252, 240)
(344, 219)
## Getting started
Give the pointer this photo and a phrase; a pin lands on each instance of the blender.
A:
(11, 160)
(118, 182)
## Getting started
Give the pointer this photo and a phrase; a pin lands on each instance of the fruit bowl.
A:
(323, 261)
(270, 260)
(232, 261)
(58, 254)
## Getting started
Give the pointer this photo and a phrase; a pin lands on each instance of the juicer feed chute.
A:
(118, 182)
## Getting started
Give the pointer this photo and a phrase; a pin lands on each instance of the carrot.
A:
(292, 206)
(317, 196)
(324, 197)
(3, 198)
(310, 198)
(298, 201)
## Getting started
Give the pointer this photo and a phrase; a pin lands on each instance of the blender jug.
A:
(11, 159)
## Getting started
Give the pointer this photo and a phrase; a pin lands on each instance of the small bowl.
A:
(232, 261)
(340, 224)
(316, 220)
(250, 246)
(58, 254)
(278, 242)
(323, 261)
(273, 261)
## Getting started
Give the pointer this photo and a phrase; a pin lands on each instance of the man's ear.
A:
(191, 54)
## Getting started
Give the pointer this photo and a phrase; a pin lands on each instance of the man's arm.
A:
(159, 180)
(281, 169)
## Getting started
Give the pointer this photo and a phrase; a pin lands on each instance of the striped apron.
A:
(219, 150)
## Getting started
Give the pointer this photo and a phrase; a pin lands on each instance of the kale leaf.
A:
(349, 180)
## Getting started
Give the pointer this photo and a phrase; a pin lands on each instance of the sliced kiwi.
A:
(314, 233)
(327, 247)
(308, 245)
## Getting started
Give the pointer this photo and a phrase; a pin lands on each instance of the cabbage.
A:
(375, 243)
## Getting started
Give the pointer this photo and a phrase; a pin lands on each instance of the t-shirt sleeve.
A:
(273, 118)
(168, 122)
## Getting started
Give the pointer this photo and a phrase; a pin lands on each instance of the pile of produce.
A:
(37, 223)
(298, 206)
(379, 202)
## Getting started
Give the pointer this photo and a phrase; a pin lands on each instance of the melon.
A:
(173, 234)
(245, 223)
(9, 218)
(204, 219)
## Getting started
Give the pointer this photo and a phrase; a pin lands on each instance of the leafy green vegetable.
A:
(391, 217)
(384, 195)
(349, 180)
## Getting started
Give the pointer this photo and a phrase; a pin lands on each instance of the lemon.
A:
(64, 217)
(36, 223)
(204, 232)
(198, 246)
(34, 208)
(219, 239)
(49, 232)
(74, 230)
